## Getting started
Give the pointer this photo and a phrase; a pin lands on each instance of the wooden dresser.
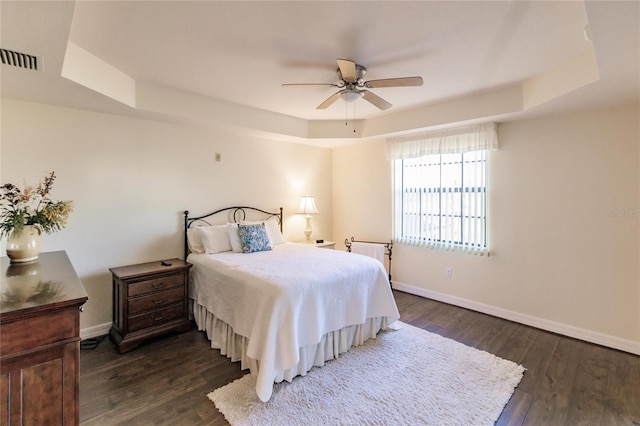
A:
(149, 299)
(40, 305)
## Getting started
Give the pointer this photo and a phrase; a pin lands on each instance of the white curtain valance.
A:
(474, 137)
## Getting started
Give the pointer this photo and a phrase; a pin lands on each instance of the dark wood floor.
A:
(567, 382)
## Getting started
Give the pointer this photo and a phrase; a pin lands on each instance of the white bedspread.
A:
(289, 298)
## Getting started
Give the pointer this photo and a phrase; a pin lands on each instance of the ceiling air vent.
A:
(17, 59)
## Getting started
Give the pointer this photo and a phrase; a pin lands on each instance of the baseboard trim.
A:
(95, 331)
(541, 323)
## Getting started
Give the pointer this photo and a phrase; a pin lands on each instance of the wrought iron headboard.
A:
(236, 213)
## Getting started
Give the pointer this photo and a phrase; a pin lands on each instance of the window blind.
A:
(440, 181)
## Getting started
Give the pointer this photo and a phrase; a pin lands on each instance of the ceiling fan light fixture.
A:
(350, 96)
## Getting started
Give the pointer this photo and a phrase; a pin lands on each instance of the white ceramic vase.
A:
(24, 247)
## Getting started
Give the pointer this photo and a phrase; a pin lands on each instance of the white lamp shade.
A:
(307, 205)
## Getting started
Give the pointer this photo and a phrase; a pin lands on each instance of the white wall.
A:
(131, 180)
(361, 193)
(564, 227)
(565, 239)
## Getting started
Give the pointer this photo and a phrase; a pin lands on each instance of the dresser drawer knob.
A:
(159, 301)
(158, 285)
(158, 317)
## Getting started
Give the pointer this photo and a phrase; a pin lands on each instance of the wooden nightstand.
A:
(326, 244)
(149, 300)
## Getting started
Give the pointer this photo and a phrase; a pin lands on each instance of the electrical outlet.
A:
(449, 272)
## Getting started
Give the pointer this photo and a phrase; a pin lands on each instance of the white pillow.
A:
(273, 230)
(194, 241)
(234, 237)
(215, 239)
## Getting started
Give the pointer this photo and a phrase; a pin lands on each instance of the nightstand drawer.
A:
(155, 300)
(157, 284)
(153, 318)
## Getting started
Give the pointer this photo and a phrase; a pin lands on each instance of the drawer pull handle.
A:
(159, 301)
(158, 317)
(157, 285)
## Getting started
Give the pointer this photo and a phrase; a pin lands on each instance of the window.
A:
(440, 183)
(440, 200)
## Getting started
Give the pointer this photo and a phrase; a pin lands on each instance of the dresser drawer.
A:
(157, 317)
(45, 329)
(156, 300)
(156, 284)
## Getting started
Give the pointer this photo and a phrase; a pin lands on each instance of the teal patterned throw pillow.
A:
(254, 238)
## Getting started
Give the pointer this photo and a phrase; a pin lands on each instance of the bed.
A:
(279, 308)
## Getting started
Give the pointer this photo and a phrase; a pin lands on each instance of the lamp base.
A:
(307, 231)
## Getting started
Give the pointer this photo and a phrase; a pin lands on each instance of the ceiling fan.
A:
(353, 86)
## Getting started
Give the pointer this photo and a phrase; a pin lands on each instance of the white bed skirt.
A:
(334, 343)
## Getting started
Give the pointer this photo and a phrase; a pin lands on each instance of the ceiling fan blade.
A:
(330, 100)
(375, 100)
(394, 82)
(310, 84)
(347, 69)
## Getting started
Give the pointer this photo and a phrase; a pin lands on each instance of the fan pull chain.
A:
(354, 117)
(346, 116)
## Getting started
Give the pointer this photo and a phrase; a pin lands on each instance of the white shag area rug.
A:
(403, 377)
